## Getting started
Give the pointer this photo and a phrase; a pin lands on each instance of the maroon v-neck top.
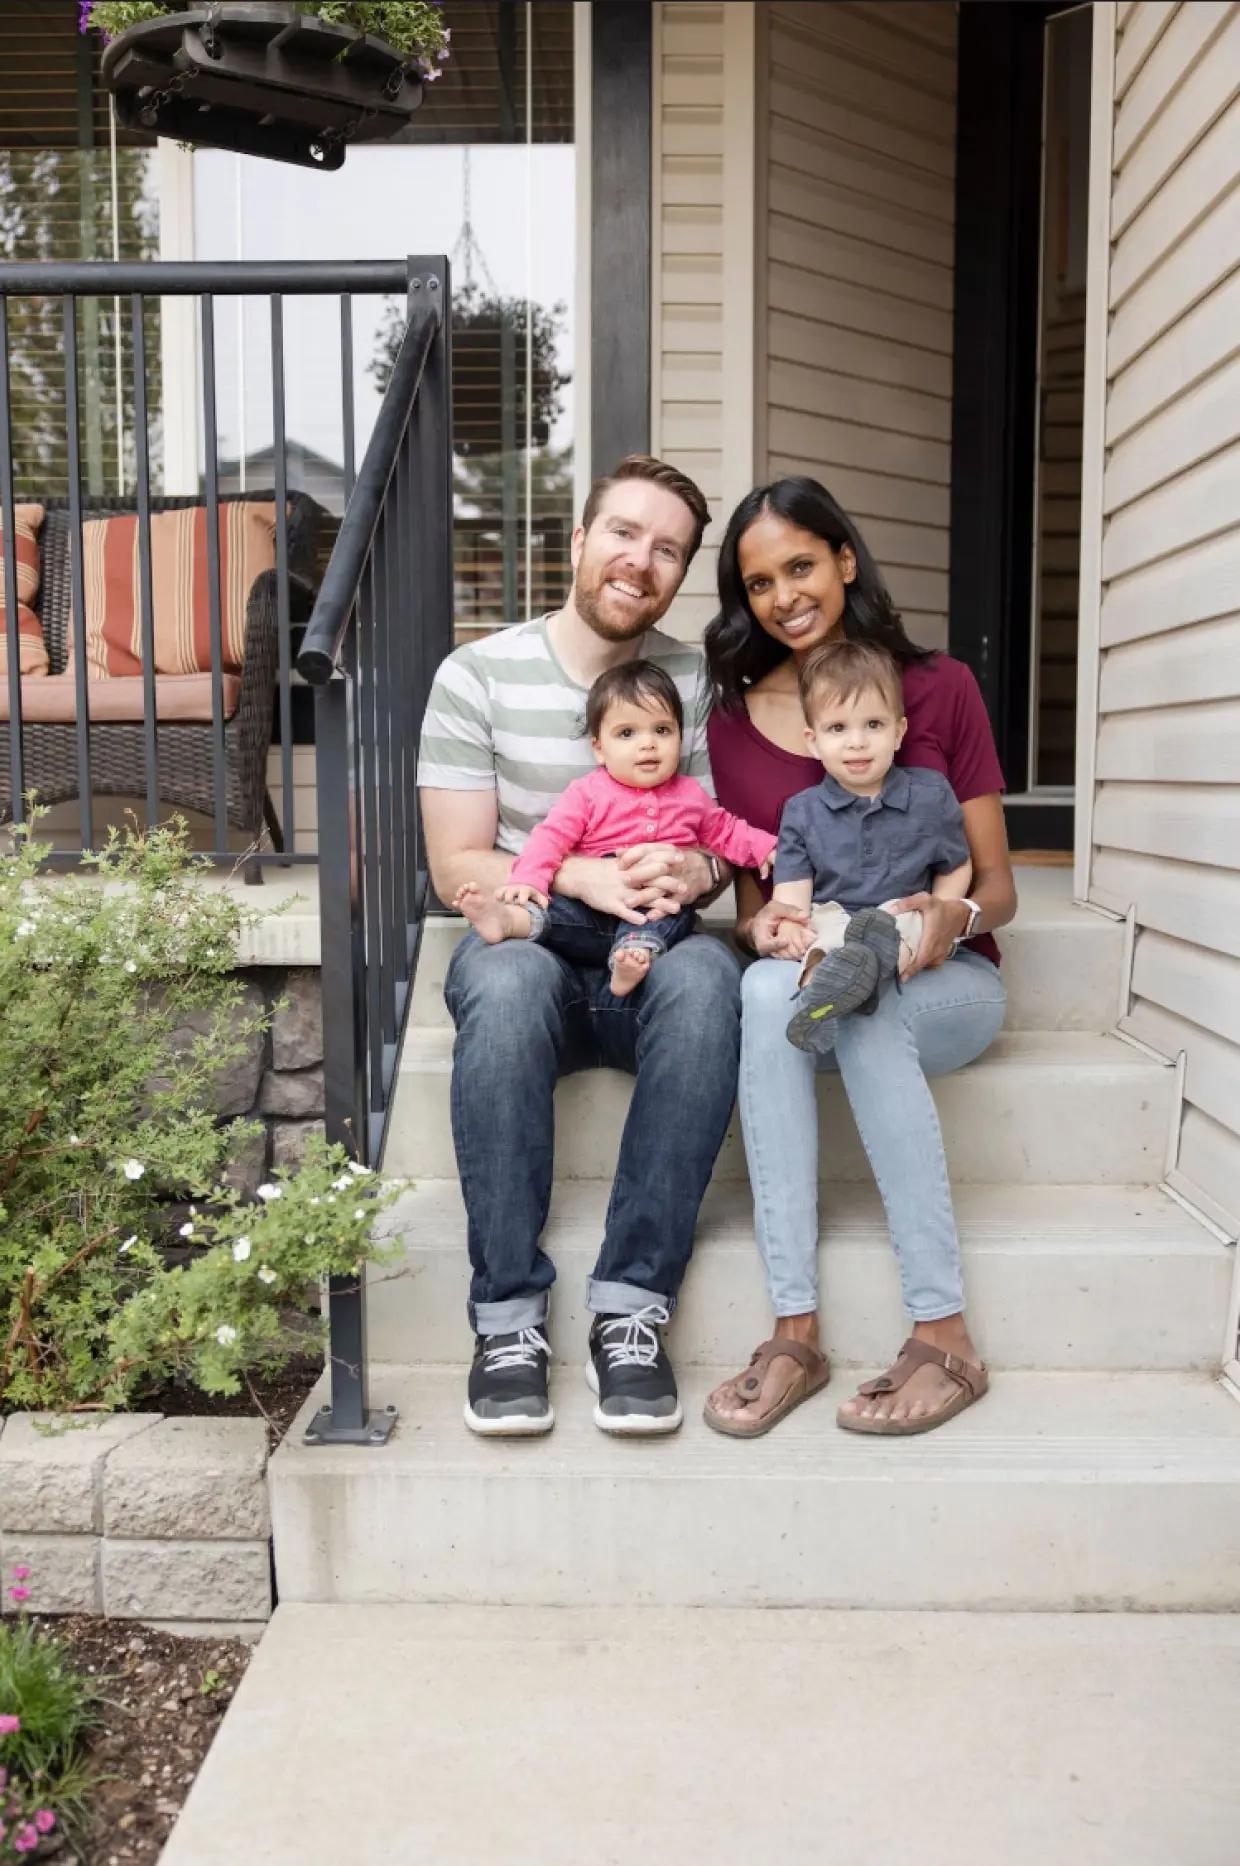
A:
(948, 731)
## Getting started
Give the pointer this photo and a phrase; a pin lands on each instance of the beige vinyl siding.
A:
(687, 338)
(1166, 803)
(856, 254)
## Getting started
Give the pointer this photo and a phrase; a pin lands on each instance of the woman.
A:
(794, 571)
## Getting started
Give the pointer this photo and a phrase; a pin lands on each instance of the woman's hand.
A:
(778, 931)
(942, 923)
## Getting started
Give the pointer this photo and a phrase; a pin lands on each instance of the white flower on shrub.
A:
(359, 1172)
(133, 1169)
(316, 1201)
(24, 929)
(130, 966)
(266, 1274)
(225, 1334)
(342, 1184)
(129, 1243)
(269, 1191)
(241, 1250)
(359, 1211)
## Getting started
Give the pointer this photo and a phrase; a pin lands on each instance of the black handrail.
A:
(380, 627)
(320, 646)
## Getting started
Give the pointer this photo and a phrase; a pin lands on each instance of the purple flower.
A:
(84, 10)
(9, 1725)
(45, 1820)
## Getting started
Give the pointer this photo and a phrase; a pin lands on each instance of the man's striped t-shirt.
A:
(504, 716)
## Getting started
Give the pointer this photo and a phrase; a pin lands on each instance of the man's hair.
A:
(636, 683)
(645, 466)
(840, 670)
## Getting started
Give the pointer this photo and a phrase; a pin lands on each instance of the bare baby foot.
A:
(493, 920)
(628, 968)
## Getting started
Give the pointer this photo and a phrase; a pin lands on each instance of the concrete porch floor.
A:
(393, 1736)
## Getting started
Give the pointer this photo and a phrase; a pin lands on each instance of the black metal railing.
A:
(381, 625)
(215, 763)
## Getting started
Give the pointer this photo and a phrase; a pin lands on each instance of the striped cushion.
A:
(182, 600)
(32, 651)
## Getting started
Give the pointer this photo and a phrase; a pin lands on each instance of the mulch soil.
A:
(163, 1698)
(279, 1400)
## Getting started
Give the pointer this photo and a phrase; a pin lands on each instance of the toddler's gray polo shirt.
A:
(861, 851)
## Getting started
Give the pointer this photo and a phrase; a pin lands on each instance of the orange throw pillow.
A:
(180, 584)
(32, 649)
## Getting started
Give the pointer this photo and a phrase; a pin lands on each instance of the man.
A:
(503, 737)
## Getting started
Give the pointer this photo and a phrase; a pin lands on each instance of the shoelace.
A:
(522, 1352)
(630, 1340)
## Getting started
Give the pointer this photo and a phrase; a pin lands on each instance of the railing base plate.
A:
(376, 1430)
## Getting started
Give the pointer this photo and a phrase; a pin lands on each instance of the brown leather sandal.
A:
(815, 1371)
(971, 1383)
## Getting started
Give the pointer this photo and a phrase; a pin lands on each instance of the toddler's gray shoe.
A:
(873, 928)
(841, 982)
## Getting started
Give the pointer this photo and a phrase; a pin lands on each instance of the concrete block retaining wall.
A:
(137, 1517)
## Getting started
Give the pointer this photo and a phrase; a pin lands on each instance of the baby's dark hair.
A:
(636, 683)
(840, 670)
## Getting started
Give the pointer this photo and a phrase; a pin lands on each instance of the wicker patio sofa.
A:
(184, 747)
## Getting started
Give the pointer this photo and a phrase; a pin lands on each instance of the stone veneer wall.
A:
(279, 1081)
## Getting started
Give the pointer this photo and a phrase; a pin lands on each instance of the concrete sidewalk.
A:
(403, 1735)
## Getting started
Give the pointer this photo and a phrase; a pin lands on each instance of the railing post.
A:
(347, 1420)
(431, 544)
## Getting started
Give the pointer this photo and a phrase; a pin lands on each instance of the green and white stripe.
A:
(504, 716)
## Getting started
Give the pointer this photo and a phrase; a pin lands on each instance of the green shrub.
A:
(47, 1709)
(118, 1008)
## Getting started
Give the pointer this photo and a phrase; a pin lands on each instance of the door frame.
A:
(994, 383)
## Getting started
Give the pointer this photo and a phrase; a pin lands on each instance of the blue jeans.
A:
(525, 1016)
(941, 1020)
(584, 936)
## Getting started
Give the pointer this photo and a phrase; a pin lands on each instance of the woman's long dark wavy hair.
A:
(738, 649)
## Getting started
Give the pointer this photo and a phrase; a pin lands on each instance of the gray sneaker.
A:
(508, 1386)
(841, 982)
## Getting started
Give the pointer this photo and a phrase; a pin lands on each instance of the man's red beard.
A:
(588, 601)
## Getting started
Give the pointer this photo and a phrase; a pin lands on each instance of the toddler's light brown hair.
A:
(840, 670)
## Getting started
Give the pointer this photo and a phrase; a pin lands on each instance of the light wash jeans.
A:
(941, 1020)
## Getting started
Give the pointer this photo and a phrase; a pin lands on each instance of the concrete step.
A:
(460, 1735)
(1061, 963)
(1056, 1492)
(1059, 1277)
(1049, 1107)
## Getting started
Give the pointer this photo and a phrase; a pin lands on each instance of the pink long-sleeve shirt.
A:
(598, 815)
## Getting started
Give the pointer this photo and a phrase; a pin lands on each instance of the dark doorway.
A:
(1021, 199)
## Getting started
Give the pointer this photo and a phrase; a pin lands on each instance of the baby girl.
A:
(635, 721)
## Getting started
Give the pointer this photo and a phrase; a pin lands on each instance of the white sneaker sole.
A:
(632, 1424)
(514, 1425)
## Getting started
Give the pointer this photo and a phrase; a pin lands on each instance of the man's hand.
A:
(600, 882)
(942, 923)
(682, 875)
(778, 931)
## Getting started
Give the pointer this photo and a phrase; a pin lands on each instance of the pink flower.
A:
(21, 1572)
(20, 1593)
(9, 1725)
(45, 1820)
(26, 1839)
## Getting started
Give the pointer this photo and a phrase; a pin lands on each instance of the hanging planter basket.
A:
(262, 78)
